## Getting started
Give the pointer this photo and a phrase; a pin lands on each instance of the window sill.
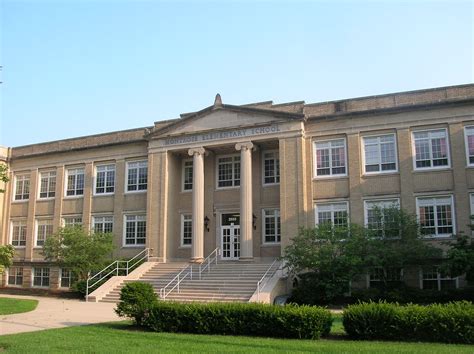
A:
(133, 246)
(226, 188)
(103, 194)
(136, 192)
(264, 185)
(19, 247)
(20, 201)
(381, 174)
(432, 169)
(185, 247)
(275, 244)
(73, 196)
(325, 178)
(442, 238)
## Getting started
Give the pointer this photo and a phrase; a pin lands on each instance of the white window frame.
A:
(74, 223)
(453, 214)
(138, 217)
(466, 143)
(318, 205)
(22, 224)
(369, 280)
(184, 218)
(74, 171)
(103, 221)
(61, 278)
(42, 222)
(448, 150)
(141, 164)
(276, 169)
(233, 171)
(439, 278)
(315, 159)
(388, 202)
(107, 171)
(50, 187)
(15, 276)
(275, 217)
(183, 174)
(41, 277)
(369, 173)
(24, 177)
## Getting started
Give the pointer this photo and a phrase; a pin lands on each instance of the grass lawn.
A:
(10, 306)
(121, 337)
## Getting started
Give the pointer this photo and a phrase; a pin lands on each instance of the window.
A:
(44, 229)
(469, 141)
(103, 223)
(228, 171)
(66, 278)
(432, 278)
(381, 218)
(431, 149)
(15, 276)
(135, 230)
(137, 176)
(334, 213)
(105, 179)
(380, 154)
(47, 184)
(22, 187)
(18, 236)
(330, 158)
(72, 221)
(271, 167)
(187, 175)
(435, 215)
(75, 182)
(271, 226)
(41, 277)
(379, 277)
(186, 230)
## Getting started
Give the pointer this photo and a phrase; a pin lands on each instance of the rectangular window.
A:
(334, 213)
(432, 278)
(105, 179)
(435, 215)
(41, 277)
(431, 149)
(18, 233)
(103, 224)
(44, 229)
(228, 171)
(271, 167)
(137, 176)
(330, 157)
(75, 182)
(15, 276)
(271, 226)
(378, 276)
(380, 218)
(66, 278)
(22, 187)
(186, 230)
(187, 175)
(380, 153)
(47, 184)
(469, 142)
(72, 221)
(135, 230)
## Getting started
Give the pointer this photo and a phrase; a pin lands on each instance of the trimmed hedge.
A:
(136, 300)
(289, 321)
(448, 323)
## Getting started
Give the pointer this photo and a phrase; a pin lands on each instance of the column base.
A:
(198, 260)
(246, 259)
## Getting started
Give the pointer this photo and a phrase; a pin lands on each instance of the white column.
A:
(198, 203)
(246, 240)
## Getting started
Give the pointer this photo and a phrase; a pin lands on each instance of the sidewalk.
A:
(56, 313)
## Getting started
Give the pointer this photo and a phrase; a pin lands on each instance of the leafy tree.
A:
(460, 258)
(6, 257)
(78, 250)
(3, 175)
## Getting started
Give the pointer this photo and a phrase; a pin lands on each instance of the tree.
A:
(3, 175)
(78, 250)
(6, 257)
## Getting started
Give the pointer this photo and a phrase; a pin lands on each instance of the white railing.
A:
(266, 277)
(206, 264)
(116, 267)
(188, 271)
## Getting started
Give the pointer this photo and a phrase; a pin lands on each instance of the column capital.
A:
(247, 145)
(198, 151)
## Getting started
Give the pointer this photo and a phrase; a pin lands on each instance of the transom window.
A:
(75, 182)
(105, 179)
(48, 184)
(22, 187)
(135, 230)
(44, 229)
(469, 141)
(432, 278)
(271, 226)
(380, 217)
(187, 175)
(18, 237)
(72, 221)
(431, 149)
(103, 223)
(66, 278)
(331, 158)
(271, 167)
(186, 230)
(380, 153)
(41, 277)
(15, 276)
(435, 215)
(333, 213)
(228, 171)
(137, 176)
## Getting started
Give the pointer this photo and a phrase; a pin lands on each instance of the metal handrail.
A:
(260, 286)
(179, 278)
(145, 254)
(207, 262)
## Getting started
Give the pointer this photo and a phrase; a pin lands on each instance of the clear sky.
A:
(73, 68)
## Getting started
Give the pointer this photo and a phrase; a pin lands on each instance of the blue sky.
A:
(73, 68)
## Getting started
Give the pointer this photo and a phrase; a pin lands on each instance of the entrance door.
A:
(230, 236)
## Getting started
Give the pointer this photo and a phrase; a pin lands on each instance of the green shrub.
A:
(289, 321)
(136, 300)
(449, 323)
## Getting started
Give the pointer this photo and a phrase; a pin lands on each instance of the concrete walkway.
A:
(56, 313)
